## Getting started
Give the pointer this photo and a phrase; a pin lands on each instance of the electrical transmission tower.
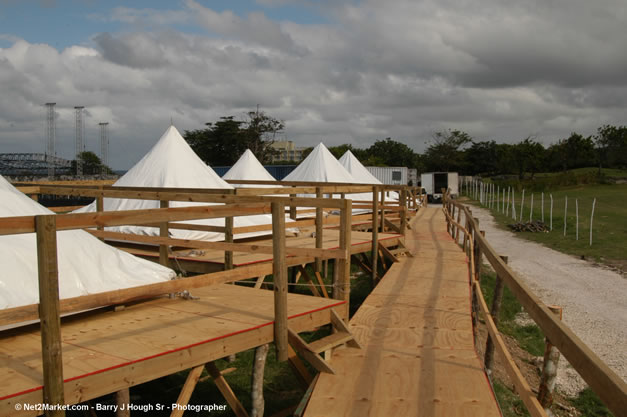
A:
(50, 137)
(104, 147)
(80, 131)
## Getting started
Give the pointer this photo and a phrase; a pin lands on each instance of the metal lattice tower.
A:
(80, 132)
(50, 135)
(104, 146)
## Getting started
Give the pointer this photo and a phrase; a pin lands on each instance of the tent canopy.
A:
(357, 170)
(320, 166)
(248, 167)
(86, 265)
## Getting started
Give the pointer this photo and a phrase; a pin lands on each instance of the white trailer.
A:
(433, 182)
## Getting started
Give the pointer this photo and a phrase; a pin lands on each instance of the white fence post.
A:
(531, 209)
(551, 215)
(565, 211)
(594, 202)
(522, 202)
(576, 219)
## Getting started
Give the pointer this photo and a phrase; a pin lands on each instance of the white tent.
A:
(248, 167)
(362, 175)
(86, 265)
(320, 166)
(173, 163)
(357, 170)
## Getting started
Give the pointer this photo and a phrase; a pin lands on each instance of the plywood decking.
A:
(418, 356)
(105, 351)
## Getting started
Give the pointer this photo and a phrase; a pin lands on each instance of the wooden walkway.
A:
(418, 356)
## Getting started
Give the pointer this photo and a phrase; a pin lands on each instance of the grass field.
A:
(609, 227)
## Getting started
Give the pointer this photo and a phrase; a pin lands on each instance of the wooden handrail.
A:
(602, 380)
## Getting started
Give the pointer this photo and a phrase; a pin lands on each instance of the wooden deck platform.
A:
(205, 261)
(105, 351)
(418, 356)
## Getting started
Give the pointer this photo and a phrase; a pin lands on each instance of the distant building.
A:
(287, 151)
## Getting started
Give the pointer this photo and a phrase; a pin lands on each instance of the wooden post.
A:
(375, 233)
(494, 312)
(477, 254)
(549, 370)
(403, 203)
(100, 206)
(382, 210)
(50, 322)
(225, 388)
(279, 272)
(228, 237)
(163, 232)
(259, 365)
(188, 389)
(292, 210)
(122, 400)
(319, 221)
(342, 288)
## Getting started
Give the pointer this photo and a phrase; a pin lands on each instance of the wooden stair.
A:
(311, 351)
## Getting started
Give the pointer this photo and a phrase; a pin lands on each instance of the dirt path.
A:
(594, 299)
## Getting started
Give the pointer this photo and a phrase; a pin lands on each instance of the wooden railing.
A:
(602, 380)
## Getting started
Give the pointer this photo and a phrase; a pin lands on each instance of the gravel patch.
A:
(594, 299)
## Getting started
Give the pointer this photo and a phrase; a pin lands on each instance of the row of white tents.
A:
(86, 265)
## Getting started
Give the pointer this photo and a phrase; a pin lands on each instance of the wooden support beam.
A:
(307, 277)
(341, 326)
(225, 389)
(293, 208)
(375, 234)
(403, 199)
(259, 365)
(259, 282)
(279, 271)
(386, 252)
(122, 400)
(299, 368)
(382, 210)
(49, 312)
(313, 358)
(323, 287)
(300, 409)
(100, 207)
(186, 392)
(319, 229)
(342, 288)
(364, 267)
(228, 238)
(163, 232)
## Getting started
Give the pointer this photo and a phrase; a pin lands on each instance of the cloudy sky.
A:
(336, 71)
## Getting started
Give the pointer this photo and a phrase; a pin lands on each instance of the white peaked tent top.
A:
(86, 265)
(248, 167)
(320, 166)
(173, 163)
(357, 170)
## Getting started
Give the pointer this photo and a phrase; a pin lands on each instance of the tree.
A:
(611, 143)
(391, 153)
(92, 165)
(444, 154)
(574, 152)
(528, 155)
(223, 142)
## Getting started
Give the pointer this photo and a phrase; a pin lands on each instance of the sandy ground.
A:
(594, 299)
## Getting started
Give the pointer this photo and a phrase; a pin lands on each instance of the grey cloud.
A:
(131, 50)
